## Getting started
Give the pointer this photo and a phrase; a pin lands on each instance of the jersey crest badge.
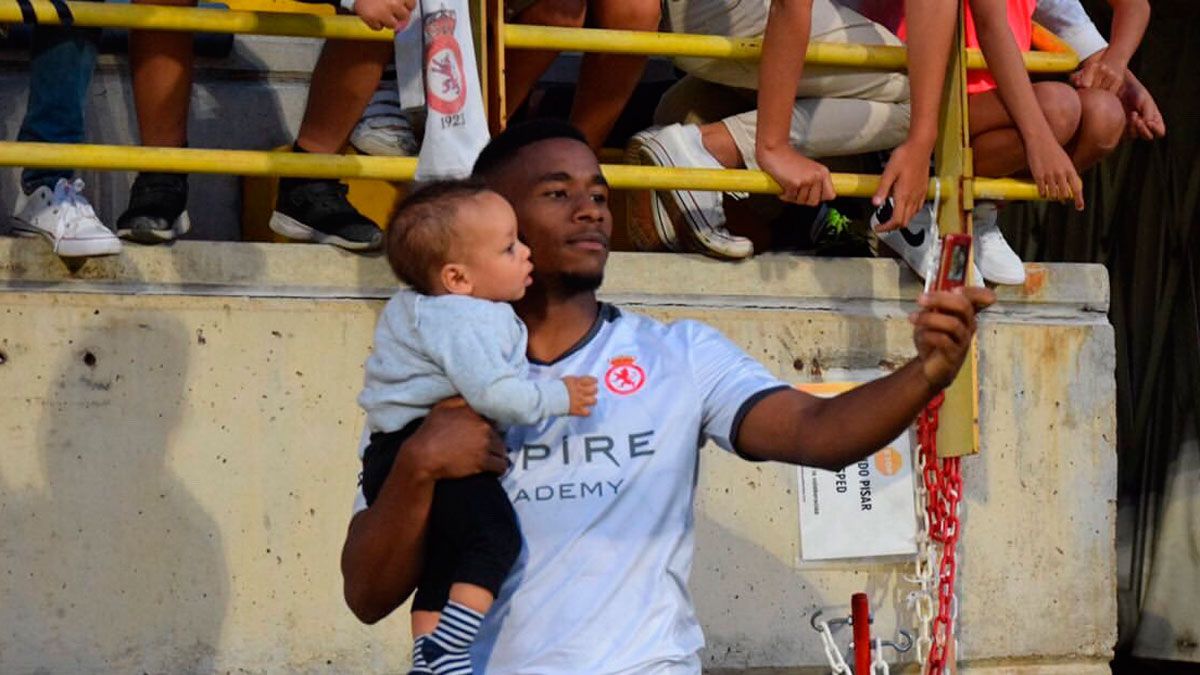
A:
(445, 86)
(624, 376)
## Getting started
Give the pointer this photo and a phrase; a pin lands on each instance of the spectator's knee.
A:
(1102, 118)
(629, 15)
(1060, 104)
(561, 13)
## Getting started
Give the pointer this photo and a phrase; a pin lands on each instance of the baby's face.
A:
(496, 261)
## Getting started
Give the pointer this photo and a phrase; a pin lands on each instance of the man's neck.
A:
(556, 322)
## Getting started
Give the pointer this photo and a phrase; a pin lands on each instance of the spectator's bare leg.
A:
(606, 81)
(161, 63)
(343, 81)
(720, 144)
(524, 67)
(1101, 126)
(995, 141)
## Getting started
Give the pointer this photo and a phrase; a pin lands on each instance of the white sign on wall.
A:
(866, 510)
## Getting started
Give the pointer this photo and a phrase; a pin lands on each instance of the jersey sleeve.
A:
(728, 380)
(473, 344)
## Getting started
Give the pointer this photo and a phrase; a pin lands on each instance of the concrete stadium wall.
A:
(178, 461)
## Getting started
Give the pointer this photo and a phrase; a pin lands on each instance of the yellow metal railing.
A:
(261, 163)
(200, 20)
(396, 169)
(868, 57)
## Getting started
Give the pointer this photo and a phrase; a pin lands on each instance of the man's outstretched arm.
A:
(381, 559)
(794, 427)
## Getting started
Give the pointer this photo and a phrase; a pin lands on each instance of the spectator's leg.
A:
(837, 112)
(829, 127)
(161, 62)
(343, 81)
(606, 81)
(1101, 126)
(693, 100)
(60, 71)
(997, 145)
(524, 67)
(61, 66)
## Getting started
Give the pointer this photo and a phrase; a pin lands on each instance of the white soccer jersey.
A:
(605, 503)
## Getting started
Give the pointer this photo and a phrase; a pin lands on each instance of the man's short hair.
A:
(504, 147)
(421, 237)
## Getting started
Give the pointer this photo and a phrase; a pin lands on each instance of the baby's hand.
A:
(582, 391)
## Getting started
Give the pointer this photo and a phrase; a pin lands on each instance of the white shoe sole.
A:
(1003, 279)
(287, 226)
(651, 226)
(180, 227)
(675, 204)
(70, 248)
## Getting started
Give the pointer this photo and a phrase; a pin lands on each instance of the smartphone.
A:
(954, 263)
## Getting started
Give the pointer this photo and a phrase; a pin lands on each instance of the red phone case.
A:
(955, 262)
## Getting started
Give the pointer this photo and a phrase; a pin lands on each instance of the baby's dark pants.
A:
(472, 535)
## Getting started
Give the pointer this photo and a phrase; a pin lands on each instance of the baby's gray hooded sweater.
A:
(429, 348)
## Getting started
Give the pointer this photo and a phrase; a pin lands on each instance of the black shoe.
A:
(318, 211)
(157, 210)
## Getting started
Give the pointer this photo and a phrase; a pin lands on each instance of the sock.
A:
(418, 657)
(446, 650)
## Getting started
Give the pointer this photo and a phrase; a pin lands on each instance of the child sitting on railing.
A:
(1050, 130)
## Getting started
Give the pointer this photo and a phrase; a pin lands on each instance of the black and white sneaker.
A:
(157, 211)
(917, 242)
(318, 211)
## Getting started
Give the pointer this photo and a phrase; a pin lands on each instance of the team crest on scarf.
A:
(624, 376)
(445, 85)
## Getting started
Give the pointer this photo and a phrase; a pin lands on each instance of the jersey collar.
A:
(607, 314)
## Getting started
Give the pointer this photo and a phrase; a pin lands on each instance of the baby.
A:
(454, 334)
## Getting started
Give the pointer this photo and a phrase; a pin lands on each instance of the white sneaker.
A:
(997, 261)
(64, 217)
(385, 129)
(916, 242)
(695, 216)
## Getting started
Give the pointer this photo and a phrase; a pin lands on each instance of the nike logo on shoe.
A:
(913, 239)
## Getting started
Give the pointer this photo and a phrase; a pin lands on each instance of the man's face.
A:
(561, 201)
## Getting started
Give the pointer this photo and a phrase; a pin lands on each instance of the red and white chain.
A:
(943, 485)
(921, 600)
(837, 664)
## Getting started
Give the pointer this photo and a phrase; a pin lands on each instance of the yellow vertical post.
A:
(497, 106)
(958, 428)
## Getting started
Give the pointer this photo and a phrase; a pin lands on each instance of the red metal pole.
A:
(860, 614)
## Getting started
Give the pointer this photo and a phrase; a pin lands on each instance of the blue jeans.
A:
(60, 70)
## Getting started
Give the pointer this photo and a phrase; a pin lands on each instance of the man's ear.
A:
(456, 279)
